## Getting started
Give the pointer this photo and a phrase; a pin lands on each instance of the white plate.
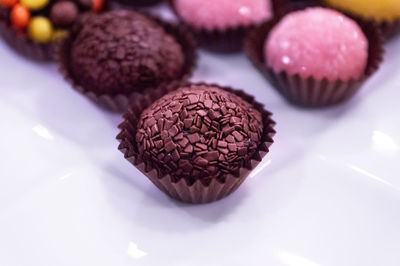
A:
(327, 194)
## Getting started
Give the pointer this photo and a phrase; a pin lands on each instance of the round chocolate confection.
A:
(199, 133)
(223, 14)
(64, 13)
(318, 42)
(120, 52)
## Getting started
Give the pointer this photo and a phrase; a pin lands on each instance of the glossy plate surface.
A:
(327, 194)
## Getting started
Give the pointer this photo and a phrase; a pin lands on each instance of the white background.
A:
(327, 194)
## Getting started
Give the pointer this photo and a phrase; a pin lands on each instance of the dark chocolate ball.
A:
(64, 13)
(120, 52)
(199, 133)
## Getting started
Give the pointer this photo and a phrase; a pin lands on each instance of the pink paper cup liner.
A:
(197, 193)
(310, 92)
(121, 102)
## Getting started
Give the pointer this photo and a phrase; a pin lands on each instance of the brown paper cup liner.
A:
(4, 13)
(310, 92)
(390, 29)
(21, 44)
(301, 4)
(229, 40)
(121, 102)
(198, 192)
(140, 3)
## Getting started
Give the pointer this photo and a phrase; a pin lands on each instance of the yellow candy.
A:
(34, 4)
(40, 29)
(380, 10)
(58, 34)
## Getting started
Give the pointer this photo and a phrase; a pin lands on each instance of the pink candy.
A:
(221, 14)
(318, 42)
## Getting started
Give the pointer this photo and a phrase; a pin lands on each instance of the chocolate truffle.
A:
(223, 14)
(318, 42)
(199, 133)
(120, 52)
(64, 13)
(197, 143)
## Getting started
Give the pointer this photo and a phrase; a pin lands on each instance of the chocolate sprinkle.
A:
(122, 51)
(219, 134)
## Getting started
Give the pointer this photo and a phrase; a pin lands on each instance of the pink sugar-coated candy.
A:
(222, 14)
(318, 42)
